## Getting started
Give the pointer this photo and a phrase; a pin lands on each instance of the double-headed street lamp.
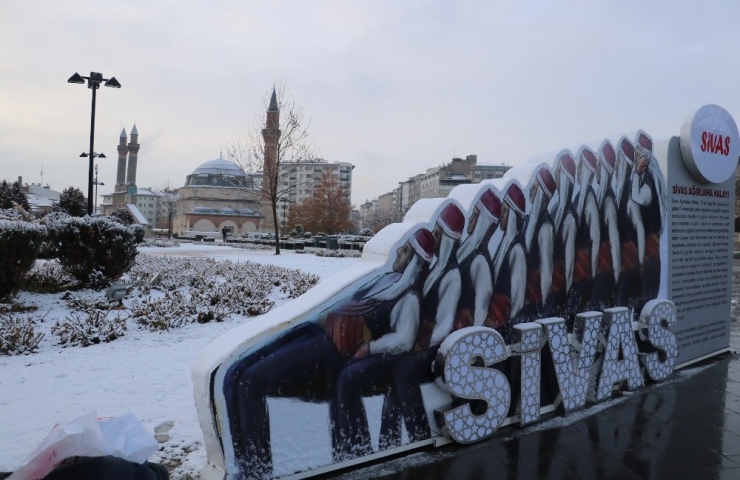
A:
(93, 82)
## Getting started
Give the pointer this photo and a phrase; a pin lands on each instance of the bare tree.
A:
(271, 150)
(170, 208)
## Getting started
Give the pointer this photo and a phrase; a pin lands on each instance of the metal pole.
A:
(96, 188)
(92, 142)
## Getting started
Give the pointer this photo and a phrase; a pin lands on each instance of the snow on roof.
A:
(37, 201)
(141, 219)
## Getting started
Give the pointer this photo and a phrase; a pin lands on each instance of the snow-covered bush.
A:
(86, 301)
(72, 202)
(17, 335)
(87, 328)
(162, 314)
(19, 246)
(154, 242)
(123, 215)
(322, 252)
(47, 277)
(203, 289)
(94, 250)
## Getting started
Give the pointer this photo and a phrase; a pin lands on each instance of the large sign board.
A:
(596, 270)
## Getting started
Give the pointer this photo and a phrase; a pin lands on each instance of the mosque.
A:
(216, 196)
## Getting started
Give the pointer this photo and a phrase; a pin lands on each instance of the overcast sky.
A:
(393, 87)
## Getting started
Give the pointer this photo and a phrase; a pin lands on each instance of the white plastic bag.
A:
(86, 436)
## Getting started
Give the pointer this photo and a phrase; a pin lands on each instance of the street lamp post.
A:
(285, 204)
(93, 83)
(96, 182)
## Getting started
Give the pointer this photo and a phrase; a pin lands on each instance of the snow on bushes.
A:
(202, 289)
(94, 250)
(164, 293)
(87, 328)
(323, 252)
(18, 336)
(19, 244)
(156, 242)
(47, 277)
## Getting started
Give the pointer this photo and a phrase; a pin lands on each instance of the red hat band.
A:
(567, 166)
(546, 181)
(489, 205)
(452, 221)
(423, 243)
(515, 198)
(644, 143)
(608, 157)
(627, 151)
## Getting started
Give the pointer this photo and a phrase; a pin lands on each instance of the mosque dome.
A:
(228, 211)
(203, 210)
(248, 211)
(220, 166)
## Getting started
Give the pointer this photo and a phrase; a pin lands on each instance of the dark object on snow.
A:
(108, 468)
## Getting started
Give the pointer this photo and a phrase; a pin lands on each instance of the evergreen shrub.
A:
(19, 244)
(94, 250)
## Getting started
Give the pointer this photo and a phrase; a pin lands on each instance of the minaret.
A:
(133, 153)
(121, 172)
(270, 134)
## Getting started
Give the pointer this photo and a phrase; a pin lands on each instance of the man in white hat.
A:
(310, 360)
(588, 238)
(608, 268)
(475, 260)
(538, 238)
(565, 224)
(631, 231)
(393, 332)
(440, 296)
(509, 266)
(648, 193)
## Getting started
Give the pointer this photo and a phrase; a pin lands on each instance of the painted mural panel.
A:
(466, 325)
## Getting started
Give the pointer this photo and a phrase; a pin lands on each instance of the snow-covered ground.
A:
(146, 373)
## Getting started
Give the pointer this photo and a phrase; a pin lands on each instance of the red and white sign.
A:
(710, 144)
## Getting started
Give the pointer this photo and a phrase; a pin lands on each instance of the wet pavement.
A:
(685, 428)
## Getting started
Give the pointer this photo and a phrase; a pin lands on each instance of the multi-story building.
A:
(487, 171)
(438, 182)
(301, 179)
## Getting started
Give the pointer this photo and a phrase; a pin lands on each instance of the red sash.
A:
(652, 246)
(582, 266)
(558, 276)
(346, 332)
(498, 311)
(605, 258)
(630, 257)
(534, 290)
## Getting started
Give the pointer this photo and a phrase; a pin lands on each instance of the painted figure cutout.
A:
(440, 297)
(631, 231)
(596, 246)
(509, 265)
(648, 193)
(475, 260)
(564, 245)
(539, 243)
(313, 363)
(588, 238)
(608, 264)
